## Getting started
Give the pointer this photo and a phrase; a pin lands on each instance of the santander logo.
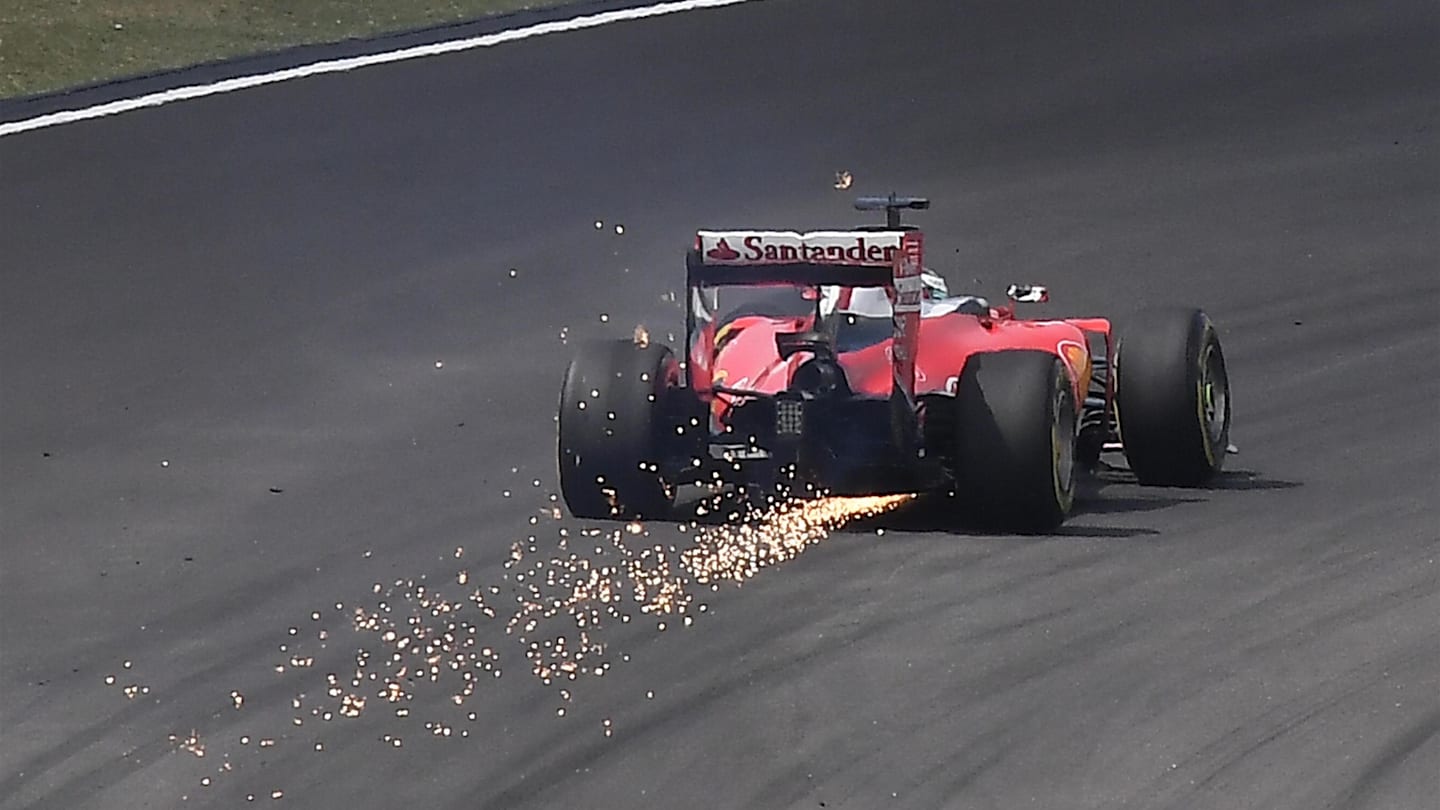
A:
(864, 248)
(722, 252)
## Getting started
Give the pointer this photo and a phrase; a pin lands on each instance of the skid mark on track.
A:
(1389, 760)
(1202, 773)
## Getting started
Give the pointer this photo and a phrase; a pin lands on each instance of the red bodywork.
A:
(922, 354)
(747, 358)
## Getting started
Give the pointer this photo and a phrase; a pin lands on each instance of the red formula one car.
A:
(836, 361)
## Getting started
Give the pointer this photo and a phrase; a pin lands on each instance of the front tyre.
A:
(1172, 398)
(1014, 464)
(615, 420)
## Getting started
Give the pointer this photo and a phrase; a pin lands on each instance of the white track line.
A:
(338, 65)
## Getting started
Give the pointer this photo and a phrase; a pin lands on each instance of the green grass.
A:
(48, 45)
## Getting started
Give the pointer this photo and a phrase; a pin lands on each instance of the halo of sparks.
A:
(416, 637)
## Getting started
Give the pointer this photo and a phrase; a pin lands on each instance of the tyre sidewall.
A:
(1014, 463)
(1161, 399)
(611, 441)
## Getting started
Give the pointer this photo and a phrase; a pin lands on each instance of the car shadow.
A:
(942, 514)
(1108, 491)
(931, 514)
(1104, 532)
(1243, 480)
(1237, 480)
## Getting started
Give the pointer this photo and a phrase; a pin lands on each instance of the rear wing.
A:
(890, 258)
(843, 258)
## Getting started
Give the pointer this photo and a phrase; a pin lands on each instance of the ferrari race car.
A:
(834, 361)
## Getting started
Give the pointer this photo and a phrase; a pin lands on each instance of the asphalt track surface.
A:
(203, 303)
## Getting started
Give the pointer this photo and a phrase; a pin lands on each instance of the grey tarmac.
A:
(263, 357)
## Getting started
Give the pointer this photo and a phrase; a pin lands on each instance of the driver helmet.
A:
(873, 302)
(935, 286)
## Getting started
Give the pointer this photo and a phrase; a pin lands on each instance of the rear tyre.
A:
(1015, 431)
(1172, 398)
(615, 424)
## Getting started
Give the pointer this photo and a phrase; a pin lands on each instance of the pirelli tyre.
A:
(1015, 431)
(1172, 398)
(615, 414)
